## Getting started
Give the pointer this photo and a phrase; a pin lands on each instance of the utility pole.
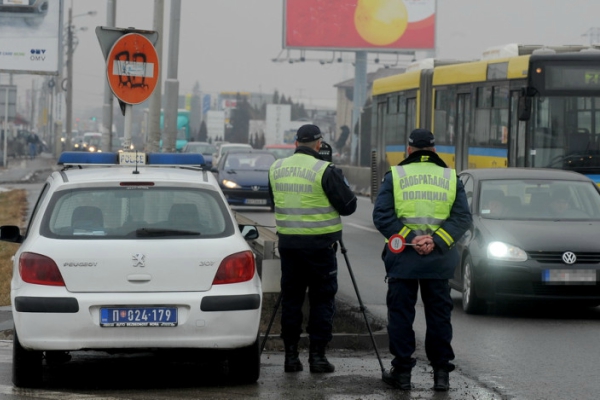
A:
(69, 96)
(107, 107)
(171, 83)
(153, 126)
(358, 100)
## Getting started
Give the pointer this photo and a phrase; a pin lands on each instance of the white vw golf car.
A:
(133, 252)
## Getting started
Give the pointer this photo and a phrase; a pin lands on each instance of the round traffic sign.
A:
(396, 243)
(132, 68)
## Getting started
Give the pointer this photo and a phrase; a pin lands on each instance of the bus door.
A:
(462, 129)
(516, 134)
(378, 157)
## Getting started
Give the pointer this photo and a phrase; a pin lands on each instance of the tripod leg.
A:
(264, 342)
(362, 307)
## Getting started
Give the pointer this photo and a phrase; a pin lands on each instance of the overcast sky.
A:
(228, 45)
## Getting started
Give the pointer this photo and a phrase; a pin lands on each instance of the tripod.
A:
(360, 302)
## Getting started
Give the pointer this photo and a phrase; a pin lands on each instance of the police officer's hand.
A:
(423, 244)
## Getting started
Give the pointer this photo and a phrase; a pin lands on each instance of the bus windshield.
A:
(564, 133)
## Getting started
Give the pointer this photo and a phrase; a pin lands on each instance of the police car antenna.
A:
(135, 172)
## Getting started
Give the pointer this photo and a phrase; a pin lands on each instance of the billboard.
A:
(29, 36)
(357, 25)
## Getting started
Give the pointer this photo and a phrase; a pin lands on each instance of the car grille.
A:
(556, 257)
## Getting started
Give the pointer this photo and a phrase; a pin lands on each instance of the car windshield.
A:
(282, 153)
(200, 148)
(122, 213)
(539, 200)
(249, 161)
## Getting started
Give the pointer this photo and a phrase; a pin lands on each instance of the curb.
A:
(341, 341)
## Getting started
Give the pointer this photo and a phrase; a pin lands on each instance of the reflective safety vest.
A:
(301, 206)
(423, 195)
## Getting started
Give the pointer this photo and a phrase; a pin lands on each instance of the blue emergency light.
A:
(131, 159)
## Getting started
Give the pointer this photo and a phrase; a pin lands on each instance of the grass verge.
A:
(13, 209)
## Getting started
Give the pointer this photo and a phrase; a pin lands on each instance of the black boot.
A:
(317, 360)
(398, 379)
(292, 362)
(441, 380)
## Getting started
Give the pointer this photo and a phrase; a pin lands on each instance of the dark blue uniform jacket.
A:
(409, 264)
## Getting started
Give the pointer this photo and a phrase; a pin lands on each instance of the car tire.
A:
(471, 304)
(244, 364)
(27, 366)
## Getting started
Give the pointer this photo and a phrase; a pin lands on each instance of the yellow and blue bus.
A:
(519, 106)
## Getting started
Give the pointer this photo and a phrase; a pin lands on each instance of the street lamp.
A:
(69, 89)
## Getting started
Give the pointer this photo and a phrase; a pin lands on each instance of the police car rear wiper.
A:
(154, 232)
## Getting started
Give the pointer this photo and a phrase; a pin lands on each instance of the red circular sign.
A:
(396, 243)
(132, 68)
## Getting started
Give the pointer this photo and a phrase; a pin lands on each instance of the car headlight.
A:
(505, 252)
(231, 184)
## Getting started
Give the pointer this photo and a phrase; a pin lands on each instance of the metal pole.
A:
(153, 125)
(69, 122)
(172, 84)
(5, 124)
(107, 107)
(360, 95)
(128, 125)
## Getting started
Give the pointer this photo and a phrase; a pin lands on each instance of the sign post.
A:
(132, 68)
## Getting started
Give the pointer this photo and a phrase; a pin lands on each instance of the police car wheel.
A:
(27, 365)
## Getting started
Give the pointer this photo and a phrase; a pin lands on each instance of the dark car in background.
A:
(534, 237)
(206, 149)
(281, 150)
(243, 176)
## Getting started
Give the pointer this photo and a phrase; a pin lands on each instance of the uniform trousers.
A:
(401, 301)
(315, 270)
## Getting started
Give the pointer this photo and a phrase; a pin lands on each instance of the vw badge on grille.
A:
(569, 257)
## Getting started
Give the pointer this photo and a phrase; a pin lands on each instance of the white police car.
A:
(133, 257)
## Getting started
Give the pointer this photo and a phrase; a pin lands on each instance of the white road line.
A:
(42, 394)
(364, 228)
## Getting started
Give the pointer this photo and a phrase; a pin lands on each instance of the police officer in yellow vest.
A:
(310, 195)
(422, 200)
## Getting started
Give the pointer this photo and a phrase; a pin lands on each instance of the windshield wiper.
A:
(154, 232)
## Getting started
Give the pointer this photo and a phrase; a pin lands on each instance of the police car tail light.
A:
(236, 268)
(40, 270)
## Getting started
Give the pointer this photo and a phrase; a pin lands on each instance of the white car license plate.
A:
(256, 202)
(118, 317)
(580, 276)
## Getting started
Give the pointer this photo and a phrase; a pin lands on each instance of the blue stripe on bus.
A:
(475, 151)
(595, 178)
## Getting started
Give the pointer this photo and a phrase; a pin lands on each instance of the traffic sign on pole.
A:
(132, 68)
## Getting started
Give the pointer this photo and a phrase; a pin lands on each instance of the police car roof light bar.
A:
(82, 157)
(156, 159)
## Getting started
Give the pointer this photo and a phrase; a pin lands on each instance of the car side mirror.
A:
(11, 233)
(249, 232)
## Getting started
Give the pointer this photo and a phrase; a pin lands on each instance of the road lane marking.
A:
(43, 394)
(364, 228)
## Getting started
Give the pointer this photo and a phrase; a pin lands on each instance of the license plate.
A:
(256, 202)
(581, 276)
(138, 317)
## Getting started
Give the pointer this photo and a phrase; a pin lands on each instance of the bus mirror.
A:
(524, 108)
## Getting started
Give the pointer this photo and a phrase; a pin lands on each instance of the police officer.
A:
(309, 195)
(422, 200)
